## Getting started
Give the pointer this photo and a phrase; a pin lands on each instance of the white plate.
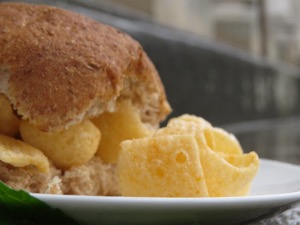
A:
(275, 189)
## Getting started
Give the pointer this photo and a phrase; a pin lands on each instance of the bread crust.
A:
(58, 68)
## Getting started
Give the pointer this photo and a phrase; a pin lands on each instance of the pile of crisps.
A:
(187, 158)
(71, 147)
(65, 149)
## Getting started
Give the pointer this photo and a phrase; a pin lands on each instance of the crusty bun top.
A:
(58, 68)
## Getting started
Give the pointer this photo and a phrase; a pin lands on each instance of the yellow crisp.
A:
(189, 124)
(166, 166)
(9, 122)
(226, 142)
(71, 147)
(125, 124)
(223, 177)
(20, 154)
(228, 175)
(217, 158)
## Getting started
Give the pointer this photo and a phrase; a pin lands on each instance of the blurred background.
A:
(261, 27)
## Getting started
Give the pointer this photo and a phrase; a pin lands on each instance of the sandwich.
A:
(71, 90)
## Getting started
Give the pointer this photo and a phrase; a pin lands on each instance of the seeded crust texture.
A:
(58, 68)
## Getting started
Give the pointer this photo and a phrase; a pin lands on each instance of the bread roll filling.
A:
(77, 160)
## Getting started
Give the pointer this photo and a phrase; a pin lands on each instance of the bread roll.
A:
(58, 68)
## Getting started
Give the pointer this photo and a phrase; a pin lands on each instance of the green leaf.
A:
(20, 208)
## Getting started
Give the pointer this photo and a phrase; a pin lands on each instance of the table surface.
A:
(277, 139)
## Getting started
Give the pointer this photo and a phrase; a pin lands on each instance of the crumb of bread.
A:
(29, 178)
(92, 178)
(54, 187)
